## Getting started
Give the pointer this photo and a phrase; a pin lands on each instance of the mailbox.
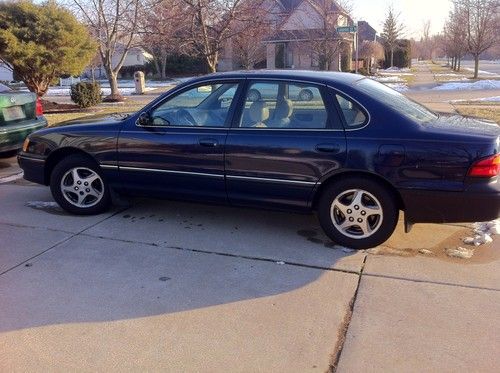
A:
(140, 85)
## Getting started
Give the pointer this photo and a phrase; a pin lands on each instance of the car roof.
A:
(324, 77)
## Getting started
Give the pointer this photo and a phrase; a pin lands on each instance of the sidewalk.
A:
(170, 286)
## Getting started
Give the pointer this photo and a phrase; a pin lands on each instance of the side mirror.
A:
(144, 119)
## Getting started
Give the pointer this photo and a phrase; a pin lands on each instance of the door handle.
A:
(211, 143)
(328, 148)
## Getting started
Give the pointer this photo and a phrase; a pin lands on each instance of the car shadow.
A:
(163, 257)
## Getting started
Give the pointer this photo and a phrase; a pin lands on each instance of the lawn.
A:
(492, 113)
(62, 117)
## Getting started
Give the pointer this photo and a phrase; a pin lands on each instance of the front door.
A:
(286, 137)
(176, 148)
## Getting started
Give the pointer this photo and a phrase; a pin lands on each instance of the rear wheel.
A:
(357, 213)
(78, 186)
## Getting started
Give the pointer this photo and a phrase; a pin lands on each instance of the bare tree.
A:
(392, 31)
(211, 25)
(114, 23)
(483, 22)
(163, 26)
(370, 51)
(427, 41)
(455, 29)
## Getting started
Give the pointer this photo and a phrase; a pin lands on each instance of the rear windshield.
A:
(4, 88)
(396, 101)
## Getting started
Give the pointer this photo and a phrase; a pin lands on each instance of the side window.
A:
(282, 105)
(204, 105)
(353, 114)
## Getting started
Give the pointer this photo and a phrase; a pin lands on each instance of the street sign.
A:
(347, 29)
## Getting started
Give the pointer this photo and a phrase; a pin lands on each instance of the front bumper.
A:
(480, 201)
(34, 168)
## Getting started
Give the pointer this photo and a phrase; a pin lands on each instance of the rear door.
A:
(282, 141)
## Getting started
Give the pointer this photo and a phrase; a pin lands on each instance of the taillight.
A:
(488, 167)
(39, 108)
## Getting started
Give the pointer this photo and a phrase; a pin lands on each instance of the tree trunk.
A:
(164, 68)
(459, 63)
(392, 56)
(113, 83)
(476, 66)
(157, 67)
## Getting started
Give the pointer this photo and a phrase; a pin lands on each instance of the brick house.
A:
(303, 36)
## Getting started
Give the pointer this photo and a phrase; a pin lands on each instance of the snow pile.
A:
(479, 85)
(483, 233)
(460, 252)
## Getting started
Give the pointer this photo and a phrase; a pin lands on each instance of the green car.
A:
(20, 114)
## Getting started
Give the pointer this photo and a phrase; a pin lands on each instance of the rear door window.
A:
(283, 105)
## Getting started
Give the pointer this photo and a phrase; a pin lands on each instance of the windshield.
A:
(396, 101)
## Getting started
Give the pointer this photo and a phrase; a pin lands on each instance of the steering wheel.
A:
(184, 118)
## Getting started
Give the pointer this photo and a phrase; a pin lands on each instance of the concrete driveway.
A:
(172, 286)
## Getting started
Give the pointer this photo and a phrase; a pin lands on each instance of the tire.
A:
(79, 187)
(358, 213)
(306, 95)
(254, 95)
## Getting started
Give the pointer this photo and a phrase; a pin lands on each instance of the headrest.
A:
(259, 111)
(284, 108)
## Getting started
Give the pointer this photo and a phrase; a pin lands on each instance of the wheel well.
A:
(334, 178)
(57, 156)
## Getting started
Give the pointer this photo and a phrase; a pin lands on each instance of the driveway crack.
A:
(344, 327)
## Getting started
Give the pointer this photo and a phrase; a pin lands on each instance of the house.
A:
(303, 36)
(136, 56)
(366, 32)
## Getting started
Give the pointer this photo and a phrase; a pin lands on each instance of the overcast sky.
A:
(413, 13)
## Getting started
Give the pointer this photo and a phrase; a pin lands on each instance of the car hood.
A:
(95, 120)
(457, 124)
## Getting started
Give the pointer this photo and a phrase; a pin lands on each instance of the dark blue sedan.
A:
(355, 151)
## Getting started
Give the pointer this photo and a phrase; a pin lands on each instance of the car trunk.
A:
(16, 107)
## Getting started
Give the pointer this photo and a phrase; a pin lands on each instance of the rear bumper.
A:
(12, 136)
(479, 202)
(34, 168)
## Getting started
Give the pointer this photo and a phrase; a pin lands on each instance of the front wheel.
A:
(78, 186)
(357, 213)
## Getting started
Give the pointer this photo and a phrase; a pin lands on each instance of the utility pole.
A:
(357, 45)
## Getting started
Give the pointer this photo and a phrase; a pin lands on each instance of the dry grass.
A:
(491, 112)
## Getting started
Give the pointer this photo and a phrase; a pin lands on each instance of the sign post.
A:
(350, 29)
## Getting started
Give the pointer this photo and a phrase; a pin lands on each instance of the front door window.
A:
(201, 106)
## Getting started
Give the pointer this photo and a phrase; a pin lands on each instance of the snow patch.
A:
(8, 179)
(426, 252)
(42, 204)
(460, 252)
(479, 85)
(400, 87)
(483, 99)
